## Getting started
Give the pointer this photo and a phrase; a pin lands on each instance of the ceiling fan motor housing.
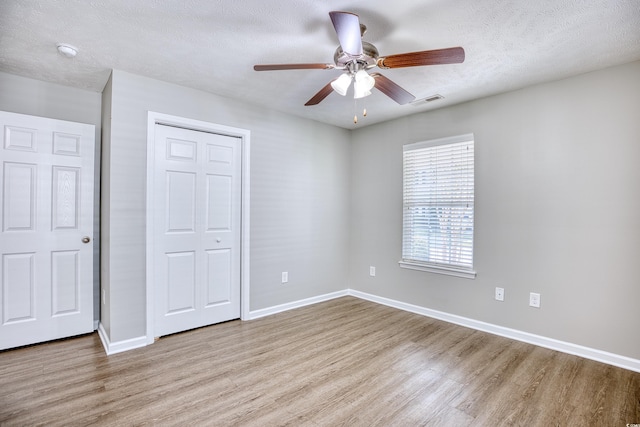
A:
(366, 60)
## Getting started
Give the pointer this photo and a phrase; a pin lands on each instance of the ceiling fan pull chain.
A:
(355, 108)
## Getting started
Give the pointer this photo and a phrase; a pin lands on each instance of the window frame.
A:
(439, 268)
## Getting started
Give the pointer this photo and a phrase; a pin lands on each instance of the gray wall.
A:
(36, 98)
(299, 197)
(557, 210)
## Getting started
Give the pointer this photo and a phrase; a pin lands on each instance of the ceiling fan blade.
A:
(277, 67)
(322, 94)
(452, 55)
(347, 27)
(392, 90)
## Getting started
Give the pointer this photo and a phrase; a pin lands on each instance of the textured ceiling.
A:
(212, 45)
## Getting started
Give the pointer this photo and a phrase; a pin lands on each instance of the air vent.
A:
(428, 99)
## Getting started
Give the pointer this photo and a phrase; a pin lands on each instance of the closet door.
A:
(197, 195)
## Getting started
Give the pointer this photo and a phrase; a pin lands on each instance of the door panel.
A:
(197, 228)
(65, 144)
(65, 197)
(19, 196)
(18, 290)
(65, 288)
(219, 203)
(21, 139)
(181, 282)
(47, 178)
(181, 202)
(219, 285)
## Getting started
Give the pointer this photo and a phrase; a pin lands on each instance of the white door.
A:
(46, 191)
(197, 228)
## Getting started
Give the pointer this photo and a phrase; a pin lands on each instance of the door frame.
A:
(244, 135)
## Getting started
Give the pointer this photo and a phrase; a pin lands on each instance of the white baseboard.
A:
(256, 314)
(119, 346)
(553, 344)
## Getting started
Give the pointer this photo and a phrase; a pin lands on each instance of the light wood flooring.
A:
(343, 362)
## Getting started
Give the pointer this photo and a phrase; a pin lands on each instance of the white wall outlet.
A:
(104, 297)
(372, 270)
(534, 299)
(500, 294)
(285, 277)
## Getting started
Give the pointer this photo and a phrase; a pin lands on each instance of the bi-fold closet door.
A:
(197, 229)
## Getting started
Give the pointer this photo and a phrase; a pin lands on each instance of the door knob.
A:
(218, 240)
(86, 239)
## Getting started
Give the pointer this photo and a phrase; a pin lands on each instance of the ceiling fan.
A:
(356, 56)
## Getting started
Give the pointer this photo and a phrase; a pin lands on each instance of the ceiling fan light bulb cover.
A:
(363, 79)
(360, 91)
(341, 84)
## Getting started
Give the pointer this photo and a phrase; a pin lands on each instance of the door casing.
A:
(153, 119)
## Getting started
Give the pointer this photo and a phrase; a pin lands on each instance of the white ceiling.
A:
(212, 45)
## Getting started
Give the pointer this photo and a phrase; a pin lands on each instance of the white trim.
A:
(553, 344)
(296, 304)
(468, 137)
(245, 210)
(449, 271)
(119, 346)
(154, 118)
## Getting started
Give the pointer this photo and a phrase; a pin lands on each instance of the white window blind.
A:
(438, 196)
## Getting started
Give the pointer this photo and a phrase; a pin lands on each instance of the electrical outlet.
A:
(372, 271)
(534, 299)
(500, 294)
(104, 297)
(285, 277)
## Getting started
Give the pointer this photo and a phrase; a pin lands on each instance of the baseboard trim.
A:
(256, 314)
(119, 346)
(550, 343)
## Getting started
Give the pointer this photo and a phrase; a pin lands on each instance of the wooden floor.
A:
(343, 362)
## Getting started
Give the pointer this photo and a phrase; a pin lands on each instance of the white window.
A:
(437, 228)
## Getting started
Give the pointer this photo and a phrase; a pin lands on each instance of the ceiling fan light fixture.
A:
(362, 85)
(341, 84)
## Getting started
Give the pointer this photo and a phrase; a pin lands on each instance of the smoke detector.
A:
(67, 50)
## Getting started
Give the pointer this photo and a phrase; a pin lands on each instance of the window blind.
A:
(438, 203)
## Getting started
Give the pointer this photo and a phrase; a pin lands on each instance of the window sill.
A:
(449, 271)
